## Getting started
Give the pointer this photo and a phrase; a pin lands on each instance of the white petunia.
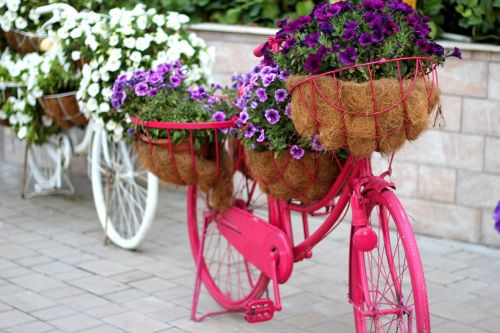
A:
(159, 20)
(142, 43)
(95, 76)
(185, 48)
(23, 131)
(107, 92)
(160, 37)
(142, 22)
(21, 23)
(113, 65)
(75, 55)
(111, 125)
(129, 42)
(92, 104)
(93, 89)
(136, 57)
(76, 33)
(45, 68)
(104, 107)
(47, 122)
(113, 40)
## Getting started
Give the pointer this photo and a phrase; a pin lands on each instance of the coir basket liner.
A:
(181, 168)
(287, 178)
(379, 115)
(63, 109)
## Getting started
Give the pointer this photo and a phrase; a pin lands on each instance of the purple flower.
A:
(268, 79)
(423, 45)
(152, 92)
(312, 39)
(352, 24)
(141, 89)
(116, 103)
(131, 132)
(377, 36)
(326, 27)
(122, 78)
(456, 53)
(288, 44)
(412, 20)
(316, 145)
(373, 4)
(370, 16)
(272, 116)
(365, 40)
(212, 100)
(262, 136)
(288, 110)
(181, 73)
(349, 34)
(313, 62)
(437, 49)
(297, 152)
(254, 104)
(280, 95)
(218, 116)
(163, 68)
(250, 131)
(376, 24)
(175, 81)
(335, 48)
(282, 23)
(422, 30)
(155, 78)
(348, 56)
(243, 117)
(261, 95)
(282, 75)
(390, 28)
(496, 217)
(265, 70)
(297, 24)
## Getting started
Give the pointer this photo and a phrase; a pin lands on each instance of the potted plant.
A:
(362, 77)
(127, 40)
(163, 109)
(286, 165)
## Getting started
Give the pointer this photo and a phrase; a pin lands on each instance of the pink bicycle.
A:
(252, 243)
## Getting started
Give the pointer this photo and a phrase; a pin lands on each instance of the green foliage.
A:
(479, 19)
(58, 79)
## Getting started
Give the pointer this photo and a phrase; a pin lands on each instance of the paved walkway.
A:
(56, 275)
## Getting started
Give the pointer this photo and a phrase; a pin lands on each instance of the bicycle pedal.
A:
(259, 310)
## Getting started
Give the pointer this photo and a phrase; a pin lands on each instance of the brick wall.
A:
(449, 179)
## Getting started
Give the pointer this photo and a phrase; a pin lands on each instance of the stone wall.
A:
(449, 179)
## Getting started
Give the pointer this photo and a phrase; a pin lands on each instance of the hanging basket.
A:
(209, 167)
(25, 42)
(63, 109)
(287, 178)
(373, 116)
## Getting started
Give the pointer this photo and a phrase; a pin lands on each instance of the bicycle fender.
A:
(377, 184)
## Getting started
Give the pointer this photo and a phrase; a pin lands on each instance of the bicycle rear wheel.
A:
(387, 285)
(229, 278)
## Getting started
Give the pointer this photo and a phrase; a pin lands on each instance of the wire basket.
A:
(378, 115)
(208, 166)
(24, 42)
(63, 109)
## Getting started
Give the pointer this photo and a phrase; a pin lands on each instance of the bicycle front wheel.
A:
(125, 194)
(387, 285)
(229, 278)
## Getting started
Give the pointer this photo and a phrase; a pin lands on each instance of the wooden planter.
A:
(63, 109)
(24, 42)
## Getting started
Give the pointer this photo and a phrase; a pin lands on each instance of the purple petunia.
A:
(377, 36)
(348, 34)
(175, 81)
(254, 104)
(250, 131)
(496, 217)
(456, 53)
(243, 118)
(313, 62)
(437, 49)
(141, 89)
(155, 78)
(369, 16)
(288, 44)
(152, 92)
(297, 152)
(288, 110)
(424, 45)
(131, 132)
(352, 24)
(316, 145)
(348, 56)
(280, 95)
(218, 116)
(312, 39)
(376, 24)
(326, 27)
(262, 136)
(365, 40)
(272, 116)
(261, 95)
(390, 28)
(268, 79)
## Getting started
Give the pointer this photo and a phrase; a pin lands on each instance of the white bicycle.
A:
(125, 194)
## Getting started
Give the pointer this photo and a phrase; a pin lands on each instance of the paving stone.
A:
(27, 301)
(136, 322)
(98, 285)
(104, 267)
(31, 327)
(37, 282)
(152, 284)
(53, 312)
(13, 317)
(74, 323)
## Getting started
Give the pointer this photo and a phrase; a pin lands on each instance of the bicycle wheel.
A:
(228, 277)
(387, 284)
(125, 194)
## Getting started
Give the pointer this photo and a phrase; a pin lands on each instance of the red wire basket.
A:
(210, 167)
(378, 115)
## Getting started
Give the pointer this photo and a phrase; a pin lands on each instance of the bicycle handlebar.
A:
(56, 9)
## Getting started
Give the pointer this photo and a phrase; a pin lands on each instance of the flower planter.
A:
(374, 116)
(63, 109)
(287, 178)
(24, 42)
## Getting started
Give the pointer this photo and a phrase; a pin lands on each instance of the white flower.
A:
(93, 89)
(21, 23)
(13, 5)
(161, 37)
(75, 55)
(136, 57)
(23, 131)
(142, 22)
(111, 125)
(91, 42)
(113, 40)
(37, 92)
(76, 33)
(159, 20)
(62, 33)
(86, 71)
(142, 43)
(45, 68)
(113, 65)
(129, 42)
(92, 104)
(31, 99)
(95, 76)
(47, 122)
(107, 93)
(196, 41)
(13, 119)
(118, 134)
(104, 107)
(185, 48)
(105, 77)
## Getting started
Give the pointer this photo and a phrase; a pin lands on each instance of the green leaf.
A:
(304, 7)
